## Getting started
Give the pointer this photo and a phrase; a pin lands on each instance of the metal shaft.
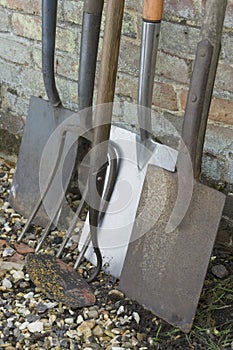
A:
(49, 18)
(149, 48)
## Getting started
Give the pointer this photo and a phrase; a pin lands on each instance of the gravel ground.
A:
(29, 320)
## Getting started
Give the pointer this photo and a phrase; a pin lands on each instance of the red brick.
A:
(224, 78)
(172, 67)
(27, 26)
(127, 86)
(27, 6)
(220, 110)
(164, 96)
(182, 8)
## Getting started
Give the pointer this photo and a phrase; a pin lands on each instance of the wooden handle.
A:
(108, 73)
(111, 44)
(153, 10)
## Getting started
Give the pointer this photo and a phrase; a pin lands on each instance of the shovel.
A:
(57, 279)
(172, 240)
(135, 153)
(44, 117)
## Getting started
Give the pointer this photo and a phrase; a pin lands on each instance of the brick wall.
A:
(20, 68)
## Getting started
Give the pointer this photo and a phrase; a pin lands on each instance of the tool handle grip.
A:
(49, 19)
(153, 10)
(93, 7)
(88, 55)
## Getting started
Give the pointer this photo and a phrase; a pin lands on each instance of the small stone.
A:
(6, 283)
(136, 317)
(52, 318)
(23, 284)
(18, 275)
(93, 314)
(140, 336)
(117, 331)
(72, 333)
(64, 343)
(51, 305)
(29, 295)
(8, 265)
(121, 310)
(127, 345)
(86, 327)
(92, 346)
(32, 318)
(69, 320)
(41, 308)
(8, 252)
(23, 311)
(98, 331)
(116, 294)
(220, 271)
(23, 325)
(109, 333)
(2, 219)
(37, 326)
(79, 319)
(7, 228)
(10, 322)
(22, 248)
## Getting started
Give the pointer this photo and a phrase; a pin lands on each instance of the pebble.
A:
(8, 265)
(136, 317)
(29, 295)
(117, 331)
(86, 327)
(121, 310)
(6, 283)
(36, 326)
(24, 325)
(69, 320)
(92, 347)
(116, 293)
(41, 308)
(2, 220)
(220, 271)
(52, 318)
(51, 305)
(73, 334)
(17, 275)
(8, 252)
(98, 331)
(7, 228)
(93, 314)
(79, 319)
